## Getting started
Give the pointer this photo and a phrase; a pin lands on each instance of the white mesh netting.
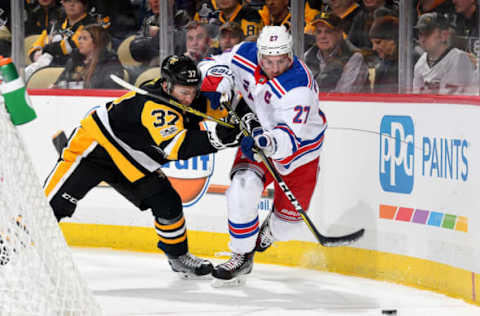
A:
(37, 272)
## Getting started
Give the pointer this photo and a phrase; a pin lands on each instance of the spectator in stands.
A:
(255, 4)
(188, 6)
(42, 15)
(466, 25)
(347, 10)
(121, 15)
(440, 6)
(312, 9)
(233, 11)
(276, 12)
(206, 12)
(384, 37)
(197, 40)
(230, 34)
(336, 65)
(60, 42)
(146, 46)
(150, 22)
(442, 69)
(444, 7)
(90, 66)
(5, 35)
(363, 21)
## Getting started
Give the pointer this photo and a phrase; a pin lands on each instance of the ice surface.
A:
(131, 283)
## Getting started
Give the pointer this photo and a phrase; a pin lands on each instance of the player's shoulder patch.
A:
(248, 50)
(297, 76)
(246, 57)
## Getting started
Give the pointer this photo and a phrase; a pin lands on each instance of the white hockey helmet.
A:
(273, 41)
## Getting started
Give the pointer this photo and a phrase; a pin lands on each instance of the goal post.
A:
(37, 272)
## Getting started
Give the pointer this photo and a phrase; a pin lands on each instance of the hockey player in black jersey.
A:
(125, 142)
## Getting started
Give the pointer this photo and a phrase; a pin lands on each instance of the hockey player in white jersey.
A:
(442, 69)
(286, 123)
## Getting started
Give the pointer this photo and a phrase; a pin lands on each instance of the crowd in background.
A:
(350, 46)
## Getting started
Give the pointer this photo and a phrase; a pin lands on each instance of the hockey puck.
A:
(389, 312)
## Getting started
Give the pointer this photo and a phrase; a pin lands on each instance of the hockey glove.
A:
(223, 137)
(218, 81)
(251, 123)
(260, 140)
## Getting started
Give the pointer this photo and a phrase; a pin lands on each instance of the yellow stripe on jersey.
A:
(77, 34)
(126, 96)
(162, 122)
(63, 46)
(79, 143)
(126, 167)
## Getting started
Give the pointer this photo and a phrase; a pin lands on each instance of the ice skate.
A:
(191, 267)
(232, 273)
(265, 238)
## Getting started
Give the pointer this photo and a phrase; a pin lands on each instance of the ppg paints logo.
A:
(396, 154)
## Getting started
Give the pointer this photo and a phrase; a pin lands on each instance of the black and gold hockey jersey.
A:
(310, 12)
(141, 133)
(249, 19)
(63, 38)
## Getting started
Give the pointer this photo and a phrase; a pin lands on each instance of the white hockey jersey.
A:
(287, 106)
(454, 73)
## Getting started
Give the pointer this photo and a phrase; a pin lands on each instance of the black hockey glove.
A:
(251, 123)
(223, 137)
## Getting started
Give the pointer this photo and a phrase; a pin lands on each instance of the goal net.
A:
(37, 272)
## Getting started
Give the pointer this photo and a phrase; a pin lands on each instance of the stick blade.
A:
(342, 240)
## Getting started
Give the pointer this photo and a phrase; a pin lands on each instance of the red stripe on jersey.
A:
(300, 152)
(278, 86)
(245, 62)
(210, 83)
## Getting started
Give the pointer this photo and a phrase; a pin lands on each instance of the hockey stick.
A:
(185, 108)
(327, 241)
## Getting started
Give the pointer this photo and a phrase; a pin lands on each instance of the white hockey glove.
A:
(223, 137)
(218, 82)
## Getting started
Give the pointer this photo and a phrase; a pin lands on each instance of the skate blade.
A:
(235, 282)
(189, 276)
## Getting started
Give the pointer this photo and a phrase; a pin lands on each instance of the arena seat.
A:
(44, 78)
(124, 55)
(28, 42)
(148, 74)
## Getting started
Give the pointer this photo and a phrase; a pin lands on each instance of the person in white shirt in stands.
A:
(442, 69)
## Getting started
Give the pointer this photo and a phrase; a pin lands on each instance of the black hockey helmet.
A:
(180, 70)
